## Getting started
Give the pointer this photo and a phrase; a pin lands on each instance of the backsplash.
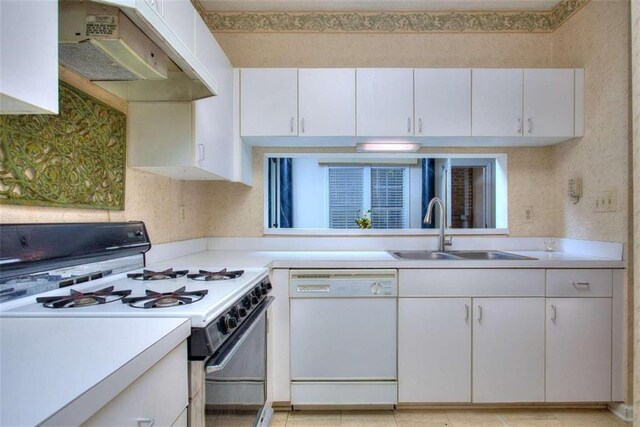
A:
(74, 159)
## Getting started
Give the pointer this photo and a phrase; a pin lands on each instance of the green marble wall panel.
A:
(75, 159)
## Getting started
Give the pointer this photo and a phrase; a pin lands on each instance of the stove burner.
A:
(157, 275)
(167, 299)
(82, 299)
(204, 275)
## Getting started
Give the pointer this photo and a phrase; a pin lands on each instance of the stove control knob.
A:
(376, 288)
(230, 321)
(263, 290)
(240, 311)
(267, 285)
(254, 300)
(257, 292)
(222, 326)
(246, 302)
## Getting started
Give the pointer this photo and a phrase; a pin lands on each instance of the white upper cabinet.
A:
(518, 106)
(180, 16)
(327, 101)
(578, 349)
(496, 107)
(508, 350)
(442, 102)
(548, 102)
(269, 102)
(28, 61)
(384, 99)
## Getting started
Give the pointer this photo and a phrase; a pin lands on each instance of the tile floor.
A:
(455, 418)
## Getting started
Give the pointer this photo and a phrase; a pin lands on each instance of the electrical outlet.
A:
(183, 213)
(528, 214)
(606, 201)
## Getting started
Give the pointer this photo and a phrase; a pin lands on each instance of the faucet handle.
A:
(448, 241)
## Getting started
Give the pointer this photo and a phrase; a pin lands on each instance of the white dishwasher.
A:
(343, 337)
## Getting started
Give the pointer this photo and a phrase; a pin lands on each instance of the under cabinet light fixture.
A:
(387, 147)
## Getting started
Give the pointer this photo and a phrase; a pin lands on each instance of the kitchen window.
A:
(380, 192)
(324, 193)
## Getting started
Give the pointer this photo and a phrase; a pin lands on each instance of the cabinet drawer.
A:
(471, 282)
(579, 283)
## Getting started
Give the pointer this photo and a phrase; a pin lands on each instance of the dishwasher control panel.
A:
(343, 283)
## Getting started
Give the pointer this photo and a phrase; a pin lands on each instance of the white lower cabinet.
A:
(578, 350)
(434, 350)
(508, 350)
(159, 397)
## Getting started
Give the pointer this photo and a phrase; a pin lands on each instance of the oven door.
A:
(236, 376)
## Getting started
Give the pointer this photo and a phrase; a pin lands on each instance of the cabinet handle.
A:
(479, 313)
(420, 125)
(554, 313)
(408, 124)
(466, 317)
(146, 422)
(292, 122)
(530, 123)
(581, 284)
(200, 152)
(520, 125)
(301, 125)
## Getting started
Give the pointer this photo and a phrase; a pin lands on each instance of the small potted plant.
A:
(364, 220)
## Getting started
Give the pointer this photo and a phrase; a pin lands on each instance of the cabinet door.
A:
(327, 101)
(213, 116)
(578, 349)
(434, 350)
(549, 102)
(443, 102)
(508, 350)
(384, 99)
(269, 101)
(180, 16)
(496, 107)
(28, 62)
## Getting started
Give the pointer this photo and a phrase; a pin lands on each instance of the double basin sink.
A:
(458, 256)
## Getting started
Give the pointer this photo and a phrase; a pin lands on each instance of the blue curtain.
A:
(428, 187)
(286, 193)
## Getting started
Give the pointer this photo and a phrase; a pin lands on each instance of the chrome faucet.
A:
(428, 218)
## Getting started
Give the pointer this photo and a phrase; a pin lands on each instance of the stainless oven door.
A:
(236, 376)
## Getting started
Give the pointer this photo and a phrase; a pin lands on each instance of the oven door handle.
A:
(219, 362)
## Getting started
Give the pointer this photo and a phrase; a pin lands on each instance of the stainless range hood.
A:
(101, 43)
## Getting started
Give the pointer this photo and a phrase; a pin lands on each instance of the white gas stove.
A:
(97, 270)
(220, 296)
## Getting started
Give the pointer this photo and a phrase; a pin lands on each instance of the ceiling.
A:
(377, 5)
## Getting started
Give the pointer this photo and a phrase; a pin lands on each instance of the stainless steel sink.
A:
(458, 255)
(490, 255)
(424, 255)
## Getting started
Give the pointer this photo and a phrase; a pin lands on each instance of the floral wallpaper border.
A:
(388, 22)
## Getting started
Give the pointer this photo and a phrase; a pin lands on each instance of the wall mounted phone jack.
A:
(575, 189)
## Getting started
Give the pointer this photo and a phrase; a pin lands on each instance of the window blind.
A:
(346, 194)
(389, 197)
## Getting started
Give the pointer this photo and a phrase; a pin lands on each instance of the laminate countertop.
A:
(379, 259)
(63, 370)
